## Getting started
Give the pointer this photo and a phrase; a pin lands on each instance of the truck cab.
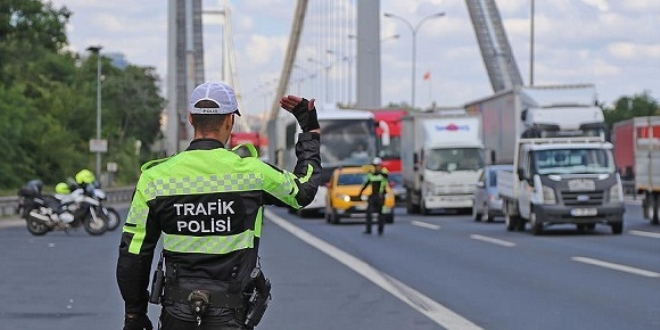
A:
(564, 180)
(441, 160)
(564, 170)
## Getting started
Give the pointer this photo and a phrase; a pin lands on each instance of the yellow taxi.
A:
(343, 199)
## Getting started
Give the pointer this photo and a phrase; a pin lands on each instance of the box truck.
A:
(441, 155)
(564, 171)
(637, 155)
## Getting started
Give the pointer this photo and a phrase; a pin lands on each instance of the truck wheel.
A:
(410, 207)
(422, 208)
(508, 218)
(487, 216)
(617, 228)
(476, 215)
(519, 222)
(537, 226)
(654, 204)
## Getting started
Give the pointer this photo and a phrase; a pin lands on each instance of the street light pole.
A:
(97, 51)
(326, 79)
(414, 31)
(349, 62)
(531, 46)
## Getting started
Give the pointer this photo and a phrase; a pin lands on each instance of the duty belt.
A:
(216, 299)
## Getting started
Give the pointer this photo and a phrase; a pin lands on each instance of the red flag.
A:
(427, 75)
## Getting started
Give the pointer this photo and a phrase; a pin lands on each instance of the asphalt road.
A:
(433, 272)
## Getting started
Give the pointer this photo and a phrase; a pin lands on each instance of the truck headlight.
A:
(616, 193)
(548, 195)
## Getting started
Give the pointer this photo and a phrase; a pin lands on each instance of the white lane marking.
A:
(423, 304)
(644, 233)
(623, 268)
(425, 225)
(492, 240)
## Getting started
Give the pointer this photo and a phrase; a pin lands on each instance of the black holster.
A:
(158, 283)
(259, 298)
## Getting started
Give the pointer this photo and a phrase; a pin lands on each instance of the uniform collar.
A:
(205, 144)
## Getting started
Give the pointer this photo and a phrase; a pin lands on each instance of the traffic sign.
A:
(96, 145)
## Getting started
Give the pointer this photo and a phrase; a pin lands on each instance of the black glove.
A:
(137, 322)
(306, 118)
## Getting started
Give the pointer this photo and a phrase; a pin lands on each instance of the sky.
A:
(614, 44)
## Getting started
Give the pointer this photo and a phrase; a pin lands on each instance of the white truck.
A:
(564, 167)
(637, 154)
(441, 155)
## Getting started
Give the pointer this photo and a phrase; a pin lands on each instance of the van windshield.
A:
(573, 161)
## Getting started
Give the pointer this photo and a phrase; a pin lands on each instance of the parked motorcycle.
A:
(110, 214)
(44, 213)
(92, 189)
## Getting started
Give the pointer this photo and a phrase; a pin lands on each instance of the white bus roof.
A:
(344, 114)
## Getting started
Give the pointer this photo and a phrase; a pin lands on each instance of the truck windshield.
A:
(573, 161)
(454, 159)
(347, 142)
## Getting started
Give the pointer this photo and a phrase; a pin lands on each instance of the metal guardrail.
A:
(125, 194)
(114, 195)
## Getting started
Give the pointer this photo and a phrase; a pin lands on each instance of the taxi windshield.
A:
(350, 179)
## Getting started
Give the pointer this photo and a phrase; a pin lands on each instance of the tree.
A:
(627, 107)
(48, 101)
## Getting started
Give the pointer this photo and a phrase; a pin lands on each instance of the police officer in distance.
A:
(207, 202)
(378, 181)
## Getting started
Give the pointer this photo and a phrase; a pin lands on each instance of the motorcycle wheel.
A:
(36, 227)
(113, 218)
(95, 227)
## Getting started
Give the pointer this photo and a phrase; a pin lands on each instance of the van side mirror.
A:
(521, 174)
(492, 157)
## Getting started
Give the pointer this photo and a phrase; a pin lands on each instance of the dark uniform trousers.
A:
(376, 202)
(169, 322)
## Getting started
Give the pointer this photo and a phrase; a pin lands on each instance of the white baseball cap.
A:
(219, 93)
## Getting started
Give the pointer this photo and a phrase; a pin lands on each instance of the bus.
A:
(348, 138)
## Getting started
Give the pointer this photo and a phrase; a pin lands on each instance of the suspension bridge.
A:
(340, 60)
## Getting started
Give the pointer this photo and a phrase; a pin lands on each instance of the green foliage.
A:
(627, 107)
(48, 99)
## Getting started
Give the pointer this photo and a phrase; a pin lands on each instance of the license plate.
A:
(584, 212)
(361, 207)
(581, 185)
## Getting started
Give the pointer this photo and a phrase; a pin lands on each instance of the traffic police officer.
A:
(207, 204)
(378, 181)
